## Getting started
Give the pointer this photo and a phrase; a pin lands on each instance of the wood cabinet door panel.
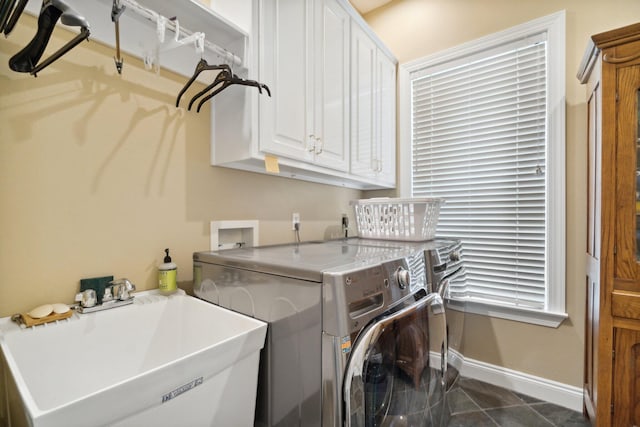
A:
(627, 265)
(626, 390)
(625, 304)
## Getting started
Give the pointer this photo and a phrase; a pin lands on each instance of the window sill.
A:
(518, 314)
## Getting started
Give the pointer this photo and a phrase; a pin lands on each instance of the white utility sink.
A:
(162, 361)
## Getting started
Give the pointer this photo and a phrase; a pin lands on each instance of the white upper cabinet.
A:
(363, 105)
(331, 121)
(373, 102)
(331, 117)
(286, 33)
(386, 83)
(305, 56)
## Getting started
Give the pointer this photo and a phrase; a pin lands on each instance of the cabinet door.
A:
(363, 110)
(373, 110)
(285, 38)
(386, 151)
(627, 260)
(626, 393)
(331, 124)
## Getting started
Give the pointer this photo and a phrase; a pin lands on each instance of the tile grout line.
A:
(548, 420)
(524, 403)
(472, 401)
(480, 409)
(484, 410)
(490, 417)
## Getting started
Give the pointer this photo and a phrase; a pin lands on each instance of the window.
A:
(485, 132)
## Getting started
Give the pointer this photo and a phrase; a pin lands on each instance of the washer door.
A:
(390, 378)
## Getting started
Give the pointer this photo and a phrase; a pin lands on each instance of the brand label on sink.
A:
(182, 389)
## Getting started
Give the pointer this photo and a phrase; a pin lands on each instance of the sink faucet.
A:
(121, 289)
(117, 293)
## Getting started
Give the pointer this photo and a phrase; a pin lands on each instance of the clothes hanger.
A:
(25, 61)
(233, 80)
(221, 77)
(226, 77)
(6, 6)
(225, 84)
(17, 12)
(201, 66)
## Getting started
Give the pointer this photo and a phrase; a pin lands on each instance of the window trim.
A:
(554, 25)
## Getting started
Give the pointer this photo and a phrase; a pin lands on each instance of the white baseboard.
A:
(551, 391)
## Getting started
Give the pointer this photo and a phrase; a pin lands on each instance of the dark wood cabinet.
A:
(626, 377)
(611, 72)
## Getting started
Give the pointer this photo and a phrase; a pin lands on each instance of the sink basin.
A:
(162, 361)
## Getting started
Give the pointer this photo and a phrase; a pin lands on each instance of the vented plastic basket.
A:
(412, 219)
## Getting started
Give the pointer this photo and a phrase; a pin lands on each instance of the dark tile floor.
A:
(478, 404)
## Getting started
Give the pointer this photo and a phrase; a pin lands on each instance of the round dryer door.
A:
(395, 374)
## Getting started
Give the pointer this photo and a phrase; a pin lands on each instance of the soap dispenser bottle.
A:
(167, 274)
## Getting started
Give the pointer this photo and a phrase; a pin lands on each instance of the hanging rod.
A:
(155, 17)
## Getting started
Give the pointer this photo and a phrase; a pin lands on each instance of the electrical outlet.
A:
(295, 219)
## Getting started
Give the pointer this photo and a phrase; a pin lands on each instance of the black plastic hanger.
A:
(233, 80)
(25, 61)
(6, 6)
(221, 77)
(13, 19)
(200, 67)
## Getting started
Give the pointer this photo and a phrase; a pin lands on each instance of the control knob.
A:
(403, 277)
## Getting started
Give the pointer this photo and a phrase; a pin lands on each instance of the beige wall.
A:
(415, 28)
(99, 173)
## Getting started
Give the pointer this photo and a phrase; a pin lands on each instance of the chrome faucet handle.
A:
(86, 298)
(108, 295)
(122, 289)
(126, 289)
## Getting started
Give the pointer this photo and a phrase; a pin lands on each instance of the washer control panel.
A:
(372, 291)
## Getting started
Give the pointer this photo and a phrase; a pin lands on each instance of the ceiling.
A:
(364, 6)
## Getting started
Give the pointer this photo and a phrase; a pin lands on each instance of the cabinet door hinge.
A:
(617, 96)
(613, 355)
(615, 249)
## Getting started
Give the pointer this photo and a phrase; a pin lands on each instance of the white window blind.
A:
(479, 140)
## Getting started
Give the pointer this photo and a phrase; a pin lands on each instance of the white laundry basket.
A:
(409, 219)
